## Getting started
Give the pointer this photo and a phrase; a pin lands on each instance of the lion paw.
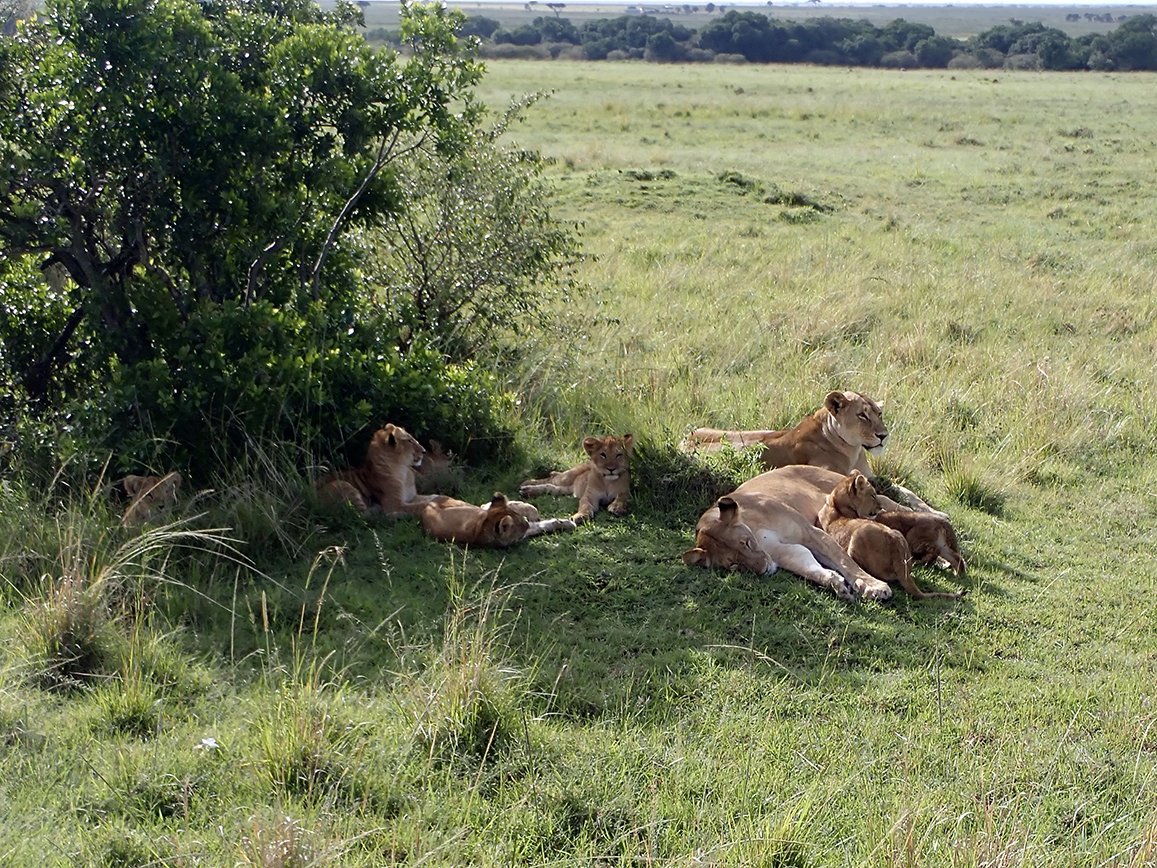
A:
(841, 586)
(878, 591)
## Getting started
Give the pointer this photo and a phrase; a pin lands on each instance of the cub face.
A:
(855, 497)
(610, 455)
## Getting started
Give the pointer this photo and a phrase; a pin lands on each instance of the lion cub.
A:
(604, 480)
(847, 516)
(495, 525)
(149, 497)
(929, 537)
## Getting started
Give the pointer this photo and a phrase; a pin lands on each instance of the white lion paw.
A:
(841, 585)
(878, 591)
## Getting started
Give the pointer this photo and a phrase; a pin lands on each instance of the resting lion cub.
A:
(149, 497)
(604, 480)
(847, 516)
(497, 524)
(929, 537)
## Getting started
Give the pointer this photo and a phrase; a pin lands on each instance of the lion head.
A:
(393, 446)
(610, 455)
(856, 419)
(727, 542)
(501, 526)
(855, 497)
(149, 496)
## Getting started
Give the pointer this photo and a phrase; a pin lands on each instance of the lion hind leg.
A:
(535, 487)
(800, 560)
(338, 492)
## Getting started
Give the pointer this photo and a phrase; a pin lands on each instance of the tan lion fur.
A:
(603, 480)
(848, 513)
(769, 522)
(838, 436)
(453, 520)
(149, 497)
(929, 537)
(495, 525)
(385, 480)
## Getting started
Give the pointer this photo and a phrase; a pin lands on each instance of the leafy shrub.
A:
(224, 301)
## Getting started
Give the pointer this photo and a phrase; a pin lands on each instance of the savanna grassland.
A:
(974, 249)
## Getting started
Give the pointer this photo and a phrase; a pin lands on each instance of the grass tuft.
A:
(970, 488)
(464, 703)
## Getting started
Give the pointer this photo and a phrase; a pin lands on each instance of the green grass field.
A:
(974, 249)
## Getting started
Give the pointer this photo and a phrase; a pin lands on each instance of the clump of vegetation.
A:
(465, 703)
(156, 286)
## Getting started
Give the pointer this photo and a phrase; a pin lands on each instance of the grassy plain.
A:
(977, 250)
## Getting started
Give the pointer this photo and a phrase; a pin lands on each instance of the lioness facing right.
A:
(847, 515)
(838, 436)
(604, 480)
(385, 480)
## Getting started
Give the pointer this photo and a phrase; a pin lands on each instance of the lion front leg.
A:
(798, 559)
(586, 510)
(621, 505)
(535, 487)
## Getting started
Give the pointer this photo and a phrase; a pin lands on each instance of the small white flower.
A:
(208, 743)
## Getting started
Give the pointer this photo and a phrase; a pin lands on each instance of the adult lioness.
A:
(497, 524)
(385, 480)
(848, 516)
(149, 497)
(837, 436)
(769, 521)
(604, 480)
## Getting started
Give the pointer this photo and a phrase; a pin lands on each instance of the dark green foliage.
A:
(181, 184)
(756, 38)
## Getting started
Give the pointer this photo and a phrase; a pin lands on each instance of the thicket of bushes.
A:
(229, 220)
(755, 38)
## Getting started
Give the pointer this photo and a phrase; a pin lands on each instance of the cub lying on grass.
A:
(604, 479)
(929, 537)
(847, 515)
(498, 524)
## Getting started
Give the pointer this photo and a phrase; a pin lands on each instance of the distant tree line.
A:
(744, 36)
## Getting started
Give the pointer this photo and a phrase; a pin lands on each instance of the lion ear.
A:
(835, 401)
(133, 484)
(591, 444)
(728, 509)
(498, 501)
(505, 524)
(628, 442)
(695, 557)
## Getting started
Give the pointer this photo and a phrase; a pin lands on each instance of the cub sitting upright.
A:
(604, 480)
(847, 516)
